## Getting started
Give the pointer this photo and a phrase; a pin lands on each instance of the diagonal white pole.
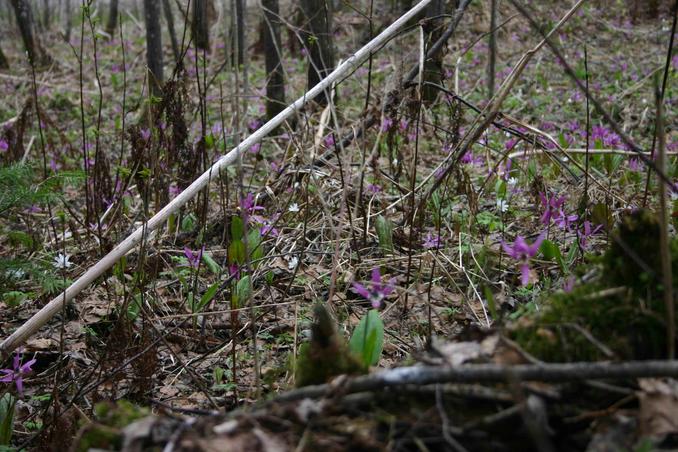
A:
(54, 306)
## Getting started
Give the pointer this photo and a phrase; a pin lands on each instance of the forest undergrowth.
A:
(213, 310)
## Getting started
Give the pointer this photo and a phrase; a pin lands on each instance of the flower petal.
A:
(361, 290)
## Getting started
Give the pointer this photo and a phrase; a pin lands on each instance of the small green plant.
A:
(385, 234)
(367, 341)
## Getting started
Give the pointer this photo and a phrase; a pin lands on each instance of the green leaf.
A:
(491, 304)
(6, 418)
(254, 244)
(385, 233)
(551, 251)
(188, 223)
(237, 228)
(211, 264)
(243, 291)
(368, 338)
(207, 296)
(236, 252)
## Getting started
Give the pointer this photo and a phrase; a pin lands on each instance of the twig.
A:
(486, 373)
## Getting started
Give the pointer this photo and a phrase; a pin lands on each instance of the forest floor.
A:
(191, 324)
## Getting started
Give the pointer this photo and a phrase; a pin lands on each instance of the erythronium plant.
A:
(522, 252)
(375, 291)
(17, 373)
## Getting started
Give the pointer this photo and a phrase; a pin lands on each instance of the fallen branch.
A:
(54, 306)
(488, 373)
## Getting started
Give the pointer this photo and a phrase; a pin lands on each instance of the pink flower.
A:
(431, 241)
(551, 207)
(375, 291)
(386, 124)
(194, 257)
(17, 373)
(522, 252)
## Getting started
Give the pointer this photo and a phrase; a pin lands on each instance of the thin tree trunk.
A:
(318, 42)
(491, 66)
(275, 85)
(4, 62)
(153, 45)
(45, 14)
(433, 67)
(24, 17)
(200, 27)
(69, 21)
(240, 31)
(112, 22)
(169, 17)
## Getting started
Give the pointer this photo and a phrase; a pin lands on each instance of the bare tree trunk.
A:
(169, 17)
(318, 42)
(275, 85)
(112, 22)
(69, 21)
(433, 67)
(492, 63)
(200, 27)
(24, 17)
(153, 45)
(240, 31)
(45, 14)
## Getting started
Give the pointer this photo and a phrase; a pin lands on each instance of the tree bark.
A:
(69, 21)
(200, 27)
(492, 63)
(240, 31)
(153, 45)
(24, 17)
(169, 18)
(433, 67)
(319, 43)
(45, 14)
(275, 85)
(112, 22)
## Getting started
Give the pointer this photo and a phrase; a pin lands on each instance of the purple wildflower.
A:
(329, 141)
(522, 252)
(375, 291)
(586, 232)
(551, 206)
(17, 373)
(193, 257)
(255, 148)
(634, 165)
(4, 145)
(248, 205)
(404, 124)
(431, 241)
(145, 134)
(563, 220)
(372, 188)
(386, 124)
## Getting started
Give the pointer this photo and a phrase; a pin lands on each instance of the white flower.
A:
(292, 262)
(62, 261)
(502, 205)
(513, 181)
(674, 196)
(294, 207)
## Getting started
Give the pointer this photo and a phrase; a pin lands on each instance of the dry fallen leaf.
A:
(658, 406)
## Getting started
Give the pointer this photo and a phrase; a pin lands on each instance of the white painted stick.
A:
(51, 308)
